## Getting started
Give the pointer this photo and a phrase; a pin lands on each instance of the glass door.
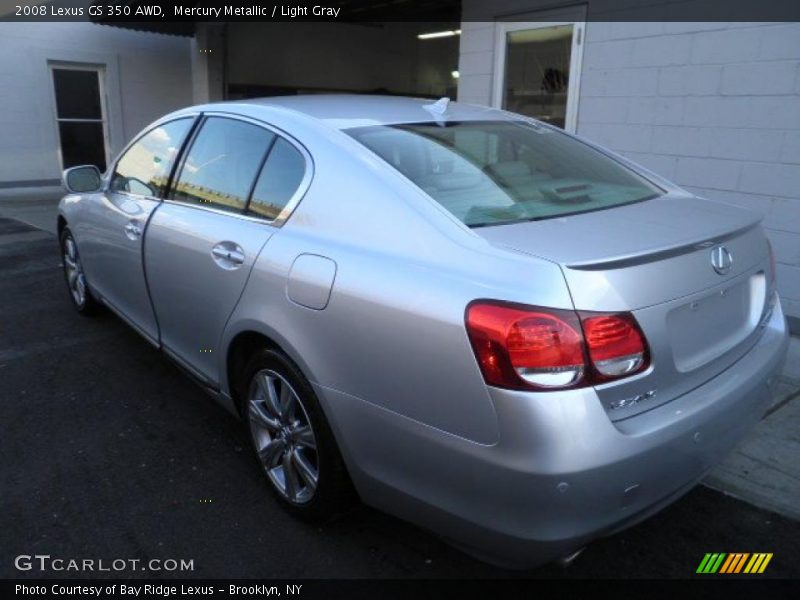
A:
(537, 70)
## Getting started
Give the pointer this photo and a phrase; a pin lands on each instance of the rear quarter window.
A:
(279, 180)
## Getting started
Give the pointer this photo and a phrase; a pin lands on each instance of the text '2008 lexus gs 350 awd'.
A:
(462, 316)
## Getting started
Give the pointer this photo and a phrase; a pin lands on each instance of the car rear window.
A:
(496, 172)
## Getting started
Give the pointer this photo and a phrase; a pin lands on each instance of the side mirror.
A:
(83, 179)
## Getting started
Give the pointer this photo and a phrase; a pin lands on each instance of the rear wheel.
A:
(77, 286)
(292, 440)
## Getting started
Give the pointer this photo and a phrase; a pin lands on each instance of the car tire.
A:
(292, 440)
(77, 286)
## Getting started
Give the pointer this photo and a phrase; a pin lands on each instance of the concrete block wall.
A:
(476, 62)
(714, 107)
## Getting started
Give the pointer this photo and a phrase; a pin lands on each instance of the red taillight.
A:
(520, 346)
(526, 347)
(616, 346)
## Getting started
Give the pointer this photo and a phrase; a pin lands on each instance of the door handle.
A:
(232, 255)
(228, 255)
(132, 230)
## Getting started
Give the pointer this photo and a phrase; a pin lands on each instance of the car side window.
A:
(144, 168)
(222, 164)
(282, 174)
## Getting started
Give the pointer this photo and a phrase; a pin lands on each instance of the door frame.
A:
(53, 65)
(503, 28)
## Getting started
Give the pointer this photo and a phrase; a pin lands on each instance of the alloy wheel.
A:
(283, 436)
(76, 280)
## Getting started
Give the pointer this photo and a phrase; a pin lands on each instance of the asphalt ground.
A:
(108, 451)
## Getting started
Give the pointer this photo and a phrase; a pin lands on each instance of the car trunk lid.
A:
(656, 260)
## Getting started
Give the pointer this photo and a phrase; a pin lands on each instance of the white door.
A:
(537, 70)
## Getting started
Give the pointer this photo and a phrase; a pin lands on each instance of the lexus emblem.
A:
(721, 260)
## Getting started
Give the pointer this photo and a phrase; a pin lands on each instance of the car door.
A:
(203, 241)
(111, 228)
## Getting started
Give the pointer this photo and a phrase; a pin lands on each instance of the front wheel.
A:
(78, 289)
(292, 440)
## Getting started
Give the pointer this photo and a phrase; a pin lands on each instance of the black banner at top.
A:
(450, 11)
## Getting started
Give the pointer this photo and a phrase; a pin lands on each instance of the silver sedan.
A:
(464, 317)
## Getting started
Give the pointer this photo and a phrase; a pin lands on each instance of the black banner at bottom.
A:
(384, 589)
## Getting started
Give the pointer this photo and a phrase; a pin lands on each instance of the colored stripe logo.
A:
(735, 562)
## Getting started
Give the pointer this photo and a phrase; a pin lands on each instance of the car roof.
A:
(343, 111)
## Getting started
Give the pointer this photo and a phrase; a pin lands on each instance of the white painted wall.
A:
(713, 106)
(146, 75)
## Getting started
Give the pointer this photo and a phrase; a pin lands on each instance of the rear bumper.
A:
(562, 473)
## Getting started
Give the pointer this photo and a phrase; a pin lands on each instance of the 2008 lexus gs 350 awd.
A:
(465, 317)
